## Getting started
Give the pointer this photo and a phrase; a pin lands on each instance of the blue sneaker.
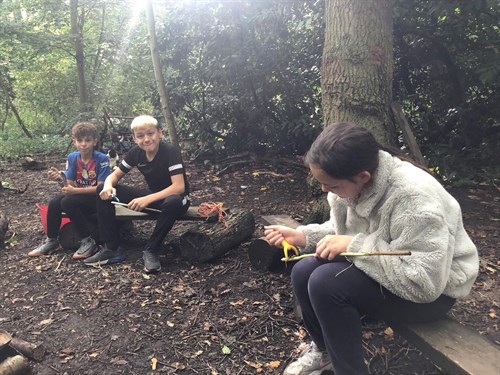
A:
(105, 256)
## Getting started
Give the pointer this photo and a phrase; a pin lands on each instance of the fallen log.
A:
(28, 349)
(205, 241)
(16, 365)
(264, 256)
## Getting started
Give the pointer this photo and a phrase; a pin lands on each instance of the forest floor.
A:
(222, 317)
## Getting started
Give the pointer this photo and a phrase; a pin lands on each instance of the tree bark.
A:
(28, 349)
(357, 67)
(206, 242)
(9, 104)
(76, 33)
(160, 81)
(16, 365)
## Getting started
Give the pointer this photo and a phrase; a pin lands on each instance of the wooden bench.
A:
(451, 346)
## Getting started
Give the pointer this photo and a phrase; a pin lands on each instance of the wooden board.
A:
(453, 347)
(280, 220)
(124, 213)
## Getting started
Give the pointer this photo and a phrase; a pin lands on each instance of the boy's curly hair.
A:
(84, 129)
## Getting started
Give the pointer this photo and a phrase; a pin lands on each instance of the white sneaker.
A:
(311, 361)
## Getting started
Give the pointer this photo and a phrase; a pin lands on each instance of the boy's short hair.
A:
(144, 120)
(84, 129)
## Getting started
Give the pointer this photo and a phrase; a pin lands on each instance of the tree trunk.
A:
(77, 35)
(357, 65)
(9, 104)
(160, 81)
(206, 242)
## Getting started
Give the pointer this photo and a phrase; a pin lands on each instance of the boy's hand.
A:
(332, 245)
(69, 190)
(107, 193)
(138, 204)
(275, 234)
(53, 173)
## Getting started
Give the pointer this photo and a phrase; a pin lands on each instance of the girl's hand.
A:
(138, 204)
(332, 245)
(275, 234)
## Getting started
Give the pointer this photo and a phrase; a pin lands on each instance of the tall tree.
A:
(160, 81)
(357, 66)
(77, 34)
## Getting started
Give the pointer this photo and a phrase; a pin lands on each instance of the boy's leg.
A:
(54, 216)
(108, 228)
(50, 243)
(79, 207)
(172, 208)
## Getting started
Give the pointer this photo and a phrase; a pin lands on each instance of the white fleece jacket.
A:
(404, 208)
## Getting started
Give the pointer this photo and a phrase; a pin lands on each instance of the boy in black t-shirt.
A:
(162, 167)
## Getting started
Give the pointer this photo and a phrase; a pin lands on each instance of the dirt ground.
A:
(218, 318)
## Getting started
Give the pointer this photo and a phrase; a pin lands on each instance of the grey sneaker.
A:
(151, 261)
(87, 248)
(311, 360)
(48, 246)
(105, 256)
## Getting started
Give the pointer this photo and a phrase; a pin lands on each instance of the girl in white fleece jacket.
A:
(378, 202)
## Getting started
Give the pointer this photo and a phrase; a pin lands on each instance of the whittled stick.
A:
(144, 209)
(347, 254)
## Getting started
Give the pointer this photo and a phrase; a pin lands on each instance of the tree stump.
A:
(205, 241)
(266, 257)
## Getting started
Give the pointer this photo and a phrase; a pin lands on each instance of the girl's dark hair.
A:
(343, 150)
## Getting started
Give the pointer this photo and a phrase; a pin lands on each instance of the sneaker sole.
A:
(154, 270)
(33, 255)
(85, 255)
(113, 260)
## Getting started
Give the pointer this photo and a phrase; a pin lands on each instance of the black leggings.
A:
(171, 208)
(78, 208)
(335, 295)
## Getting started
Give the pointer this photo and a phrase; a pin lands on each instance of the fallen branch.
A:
(28, 349)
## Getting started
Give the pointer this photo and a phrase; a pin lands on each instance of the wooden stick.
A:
(30, 350)
(144, 209)
(347, 254)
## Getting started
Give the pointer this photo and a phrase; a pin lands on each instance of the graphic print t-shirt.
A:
(87, 175)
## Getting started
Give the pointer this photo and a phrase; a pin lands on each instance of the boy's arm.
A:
(109, 184)
(177, 188)
(71, 189)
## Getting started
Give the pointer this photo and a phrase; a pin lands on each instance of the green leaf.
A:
(226, 350)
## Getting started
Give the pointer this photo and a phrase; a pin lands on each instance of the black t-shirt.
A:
(157, 172)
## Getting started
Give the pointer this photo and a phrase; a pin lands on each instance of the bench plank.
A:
(453, 347)
(125, 213)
